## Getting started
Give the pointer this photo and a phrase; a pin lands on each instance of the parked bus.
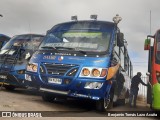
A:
(14, 57)
(153, 96)
(3, 40)
(81, 59)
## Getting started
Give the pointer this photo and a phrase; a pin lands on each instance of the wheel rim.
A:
(106, 102)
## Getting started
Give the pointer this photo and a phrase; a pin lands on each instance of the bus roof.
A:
(95, 23)
(2, 35)
(31, 34)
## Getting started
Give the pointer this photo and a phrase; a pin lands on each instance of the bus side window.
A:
(116, 51)
(122, 56)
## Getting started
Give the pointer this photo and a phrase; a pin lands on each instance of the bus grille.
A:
(6, 63)
(58, 69)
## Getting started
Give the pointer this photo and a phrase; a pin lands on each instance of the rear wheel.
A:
(9, 87)
(48, 97)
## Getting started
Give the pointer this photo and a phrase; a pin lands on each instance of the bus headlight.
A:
(93, 72)
(93, 85)
(85, 72)
(33, 67)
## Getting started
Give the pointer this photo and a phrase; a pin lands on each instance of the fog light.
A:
(67, 81)
(93, 85)
(28, 77)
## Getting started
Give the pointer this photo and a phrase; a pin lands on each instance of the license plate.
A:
(55, 80)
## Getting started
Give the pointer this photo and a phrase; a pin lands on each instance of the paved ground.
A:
(23, 100)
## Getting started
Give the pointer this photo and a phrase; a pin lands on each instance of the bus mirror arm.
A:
(149, 84)
(123, 70)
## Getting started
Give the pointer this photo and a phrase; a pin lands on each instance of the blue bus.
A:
(14, 57)
(83, 60)
(3, 40)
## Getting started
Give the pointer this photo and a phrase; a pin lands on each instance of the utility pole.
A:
(150, 21)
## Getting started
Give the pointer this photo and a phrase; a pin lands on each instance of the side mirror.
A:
(148, 74)
(120, 39)
(147, 44)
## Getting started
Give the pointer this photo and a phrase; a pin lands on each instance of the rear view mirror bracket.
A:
(120, 39)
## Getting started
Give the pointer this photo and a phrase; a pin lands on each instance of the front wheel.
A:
(103, 104)
(9, 87)
(48, 97)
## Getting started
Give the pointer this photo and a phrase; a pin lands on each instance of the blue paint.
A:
(53, 58)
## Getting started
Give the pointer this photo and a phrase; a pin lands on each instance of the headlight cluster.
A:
(93, 72)
(33, 67)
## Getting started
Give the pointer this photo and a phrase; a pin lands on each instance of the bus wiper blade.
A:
(68, 48)
(49, 47)
(81, 51)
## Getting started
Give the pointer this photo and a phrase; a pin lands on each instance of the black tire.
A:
(48, 97)
(9, 87)
(103, 104)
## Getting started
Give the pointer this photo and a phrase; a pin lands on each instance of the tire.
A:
(47, 97)
(9, 87)
(103, 104)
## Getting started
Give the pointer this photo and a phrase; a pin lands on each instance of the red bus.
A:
(153, 91)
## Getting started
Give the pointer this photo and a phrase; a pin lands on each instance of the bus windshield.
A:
(158, 47)
(79, 36)
(27, 41)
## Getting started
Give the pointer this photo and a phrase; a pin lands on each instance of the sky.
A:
(38, 16)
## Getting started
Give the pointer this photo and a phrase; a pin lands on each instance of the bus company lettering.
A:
(50, 57)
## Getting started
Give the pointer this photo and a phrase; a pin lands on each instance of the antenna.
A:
(150, 21)
(29, 25)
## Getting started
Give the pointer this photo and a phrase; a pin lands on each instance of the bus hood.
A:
(64, 59)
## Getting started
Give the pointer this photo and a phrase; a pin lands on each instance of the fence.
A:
(142, 88)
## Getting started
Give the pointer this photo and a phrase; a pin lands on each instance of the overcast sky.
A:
(38, 16)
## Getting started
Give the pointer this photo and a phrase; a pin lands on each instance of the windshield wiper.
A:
(81, 51)
(68, 48)
(65, 48)
(49, 47)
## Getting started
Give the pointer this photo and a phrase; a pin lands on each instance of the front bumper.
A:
(76, 88)
(12, 79)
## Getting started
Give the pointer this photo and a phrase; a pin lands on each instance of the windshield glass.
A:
(3, 40)
(27, 41)
(158, 46)
(84, 36)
